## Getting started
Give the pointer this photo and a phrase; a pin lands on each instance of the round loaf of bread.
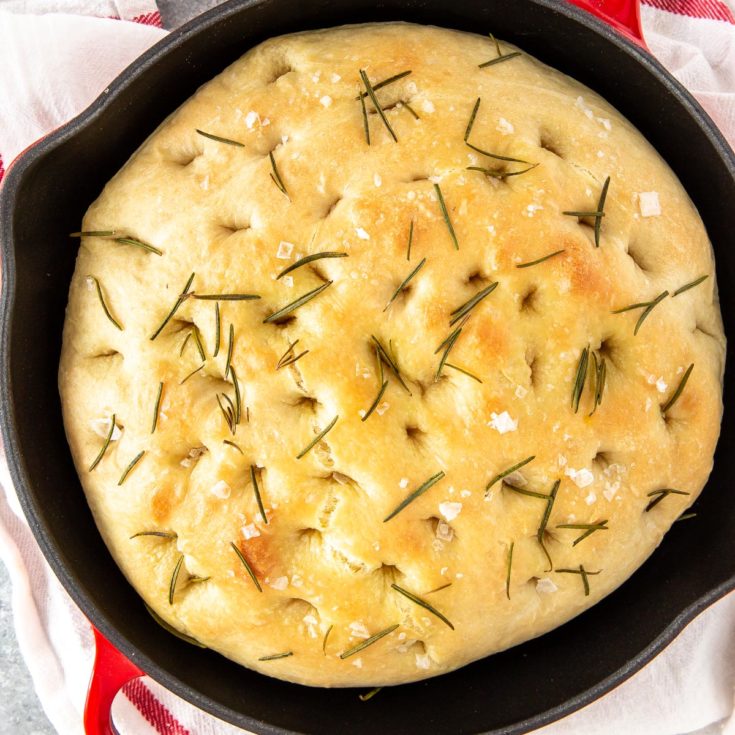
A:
(389, 349)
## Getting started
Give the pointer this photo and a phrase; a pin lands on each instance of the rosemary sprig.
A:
(601, 208)
(105, 308)
(160, 534)
(580, 378)
(540, 260)
(183, 296)
(659, 495)
(172, 630)
(310, 259)
(410, 241)
(647, 306)
(276, 315)
(497, 156)
(415, 494)
(217, 329)
(509, 568)
(588, 528)
(198, 342)
(369, 695)
(138, 244)
(384, 83)
(365, 121)
(232, 444)
(129, 468)
(276, 656)
(509, 471)
(174, 578)
(247, 566)
(679, 390)
(545, 520)
(105, 445)
(470, 304)
(462, 370)
(288, 357)
(422, 603)
(445, 215)
(689, 285)
(405, 283)
(230, 347)
(376, 402)
(192, 373)
(225, 296)
(371, 93)
(238, 397)
(499, 174)
(157, 407)
(384, 357)
(256, 490)
(584, 574)
(275, 176)
(362, 645)
(317, 439)
(599, 374)
(220, 139)
(471, 121)
(324, 640)
(500, 57)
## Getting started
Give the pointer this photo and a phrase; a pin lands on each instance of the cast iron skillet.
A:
(44, 198)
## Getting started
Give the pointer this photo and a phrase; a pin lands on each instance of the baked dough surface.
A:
(326, 559)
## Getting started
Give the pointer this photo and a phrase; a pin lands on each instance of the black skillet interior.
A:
(44, 198)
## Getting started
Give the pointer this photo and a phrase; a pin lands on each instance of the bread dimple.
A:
(329, 554)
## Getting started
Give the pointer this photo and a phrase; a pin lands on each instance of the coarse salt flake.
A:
(326, 101)
(581, 478)
(423, 661)
(450, 510)
(250, 531)
(502, 423)
(358, 629)
(279, 583)
(287, 281)
(221, 489)
(251, 118)
(520, 391)
(661, 385)
(545, 586)
(403, 483)
(591, 498)
(382, 408)
(505, 127)
(649, 204)
(335, 78)
(357, 663)
(360, 232)
(428, 106)
(284, 250)
(444, 531)
(377, 180)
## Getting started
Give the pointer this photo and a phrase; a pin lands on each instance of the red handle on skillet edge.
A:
(110, 673)
(622, 15)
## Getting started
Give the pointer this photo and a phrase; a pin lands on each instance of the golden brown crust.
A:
(326, 559)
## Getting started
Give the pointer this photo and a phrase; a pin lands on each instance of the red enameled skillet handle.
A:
(111, 672)
(623, 15)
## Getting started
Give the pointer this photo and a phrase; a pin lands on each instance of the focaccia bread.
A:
(466, 412)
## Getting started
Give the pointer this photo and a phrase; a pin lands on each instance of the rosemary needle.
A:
(275, 656)
(405, 283)
(129, 468)
(288, 357)
(93, 233)
(157, 407)
(365, 121)
(599, 373)
(184, 343)
(233, 445)
(369, 695)
(545, 520)
(159, 534)
(449, 342)
(410, 241)
(648, 310)
(174, 578)
(445, 215)
(465, 308)
(217, 329)
(247, 566)
(679, 389)
(219, 139)
(375, 403)
(180, 300)
(324, 641)
(371, 93)
(105, 445)
(362, 645)
(275, 176)
(584, 574)
(310, 259)
(230, 346)
(138, 244)
(502, 175)
(422, 603)
(415, 494)
(192, 373)
(225, 296)
(601, 209)
(104, 304)
(498, 157)
(384, 83)
(509, 471)
(689, 285)
(588, 528)
(276, 315)
(580, 378)
(317, 439)
(540, 260)
(384, 357)
(256, 490)
(172, 630)
(198, 342)
(510, 566)
(659, 495)
(462, 370)
(238, 398)
(501, 56)
(471, 121)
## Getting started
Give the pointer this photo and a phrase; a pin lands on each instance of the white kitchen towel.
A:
(56, 56)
